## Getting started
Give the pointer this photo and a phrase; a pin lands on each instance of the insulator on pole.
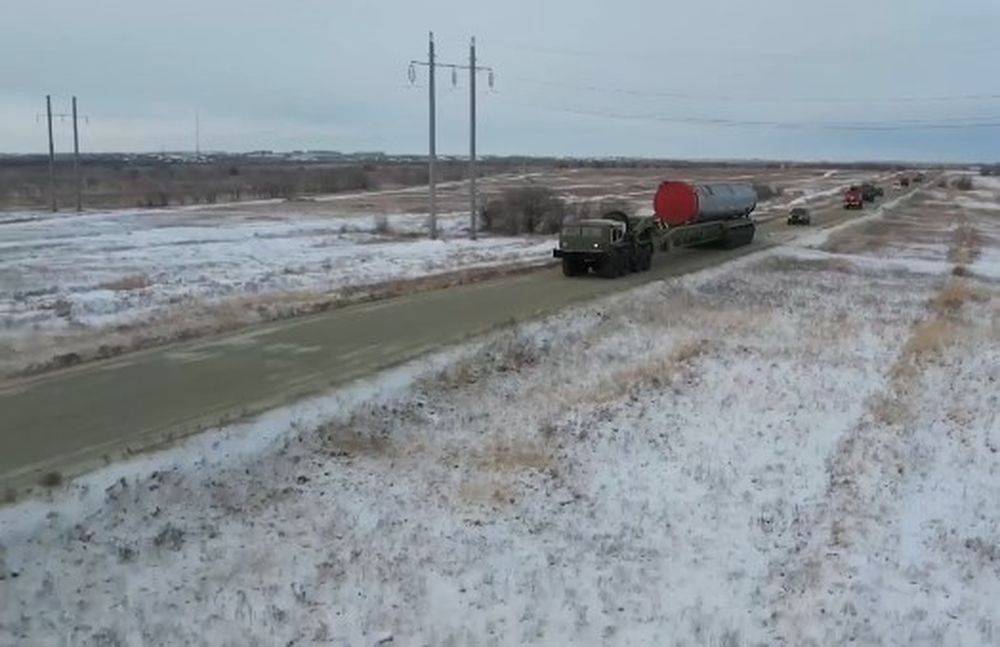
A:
(411, 73)
(490, 79)
(454, 77)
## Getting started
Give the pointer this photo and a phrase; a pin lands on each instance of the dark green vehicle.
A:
(611, 246)
(871, 191)
(617, 243)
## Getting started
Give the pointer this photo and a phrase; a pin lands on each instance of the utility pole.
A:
(432, 222)
(473, 216)
(52, 154)
(76, 162)
(197, 133)
(432, 64)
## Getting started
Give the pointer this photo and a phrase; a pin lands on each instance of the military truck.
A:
(685, 216)
(799, 216)
(870, 191)
(853, 198)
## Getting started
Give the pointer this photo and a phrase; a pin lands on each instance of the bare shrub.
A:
(170, 537)
(960, 270)
(525, 210)
(51, 479)
(509, 353)
(597, 208)
(963, 183)
(767, 192)
(347, 440)
(130, 282)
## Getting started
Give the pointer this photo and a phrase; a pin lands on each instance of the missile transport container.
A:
(685, 215)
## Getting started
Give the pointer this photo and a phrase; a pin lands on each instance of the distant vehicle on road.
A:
(799, 216)
(904, 182)
(870, 191)
(853, 199)
(919, 177)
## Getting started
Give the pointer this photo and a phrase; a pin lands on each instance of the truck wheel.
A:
(572, 266)
(610, 266)
(646, 258)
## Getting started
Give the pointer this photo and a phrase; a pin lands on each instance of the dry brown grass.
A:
(929, 337)
(654, 371)
(951, 298)
(130, 282)
(495, 482)
(345, 440)
(487, 492)
(507, 457)
(787, 264)
(928, 340)
(888, 409)
(966, 244)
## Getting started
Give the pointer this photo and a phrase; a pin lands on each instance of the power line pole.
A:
(432, 222)
(473, 216)
(76, 162)
(432, 64)
(197, 133)
(52, 154)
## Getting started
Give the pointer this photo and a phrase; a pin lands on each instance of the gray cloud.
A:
(706, 79)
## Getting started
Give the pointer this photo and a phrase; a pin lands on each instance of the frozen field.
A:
(75, 287)
(77, 281)
(798, 447)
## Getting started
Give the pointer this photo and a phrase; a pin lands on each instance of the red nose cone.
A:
(676, 203)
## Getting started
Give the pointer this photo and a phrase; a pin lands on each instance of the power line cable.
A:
(984, 123)
(672, 94)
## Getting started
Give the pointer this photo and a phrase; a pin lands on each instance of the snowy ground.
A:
(74, 281)
(799, 447)
(78, 287)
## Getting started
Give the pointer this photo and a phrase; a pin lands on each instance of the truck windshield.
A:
(588, 232)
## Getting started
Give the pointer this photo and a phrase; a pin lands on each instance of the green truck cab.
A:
(612, 246)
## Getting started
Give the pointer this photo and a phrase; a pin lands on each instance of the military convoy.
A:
(685, 215)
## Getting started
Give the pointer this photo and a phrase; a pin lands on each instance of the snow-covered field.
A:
(798, 447)
(102, 278)
(79, 287)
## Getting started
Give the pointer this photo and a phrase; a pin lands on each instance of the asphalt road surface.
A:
(71, 420)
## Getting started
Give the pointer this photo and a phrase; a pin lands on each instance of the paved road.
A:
(70, 419)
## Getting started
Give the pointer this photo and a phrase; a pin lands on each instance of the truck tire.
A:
(610, 266)
(572, 266)
(645, 257)
(738, 237)
(635, 257)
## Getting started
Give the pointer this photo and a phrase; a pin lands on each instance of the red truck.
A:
(854, 199)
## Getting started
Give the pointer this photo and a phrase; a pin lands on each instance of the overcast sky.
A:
(803, 79)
